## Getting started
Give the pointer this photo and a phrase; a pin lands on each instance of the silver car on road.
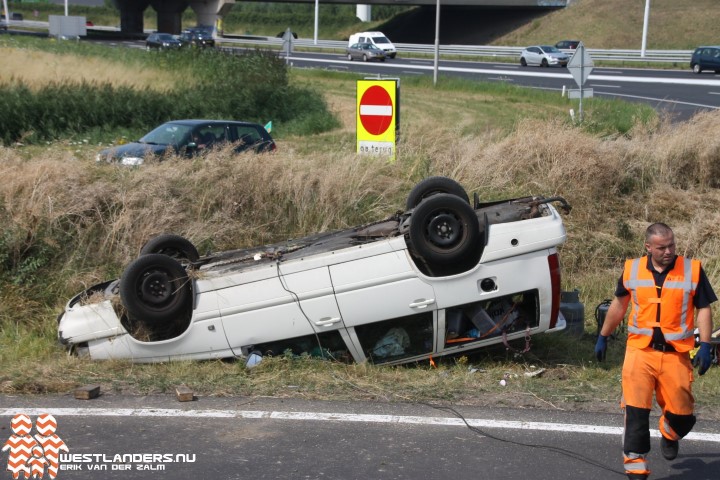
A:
(365, 52)
(544, 56)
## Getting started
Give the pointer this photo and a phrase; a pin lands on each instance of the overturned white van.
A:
(376, 38)
(443, 277)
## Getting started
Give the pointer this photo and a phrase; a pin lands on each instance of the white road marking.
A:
(605, 86)
(663, 100)
(714, 93)
(541, 73)
(338, 417)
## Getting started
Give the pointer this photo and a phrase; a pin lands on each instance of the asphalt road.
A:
(679, 93)
(263, 438)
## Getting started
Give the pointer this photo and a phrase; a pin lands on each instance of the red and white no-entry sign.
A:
(376, 110)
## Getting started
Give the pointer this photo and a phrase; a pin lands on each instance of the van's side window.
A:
(491, 318)
(397, 338)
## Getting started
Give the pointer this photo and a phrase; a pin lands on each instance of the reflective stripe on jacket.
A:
(678, 310)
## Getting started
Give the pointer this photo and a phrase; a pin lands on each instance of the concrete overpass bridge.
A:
(209, 12)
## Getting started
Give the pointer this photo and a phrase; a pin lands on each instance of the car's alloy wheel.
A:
(697, 69)
(544, 63)
(365, 59)
(155, 289)
(349, 57)
(523, 62)
(433, 185)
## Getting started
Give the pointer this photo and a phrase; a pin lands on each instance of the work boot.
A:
(669, 448)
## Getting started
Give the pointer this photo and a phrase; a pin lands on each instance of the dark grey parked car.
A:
(567, 44)
(705, 58)
(162, 41)
(189, 138)
(200, 37)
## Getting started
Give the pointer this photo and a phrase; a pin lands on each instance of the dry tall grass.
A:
(94, 219)
(34, 69)
(616, 186)
(672, 24)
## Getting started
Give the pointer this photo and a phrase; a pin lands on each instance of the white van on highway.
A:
(376, 38)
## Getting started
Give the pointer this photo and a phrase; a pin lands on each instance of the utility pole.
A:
(645, 28)
(437, 43)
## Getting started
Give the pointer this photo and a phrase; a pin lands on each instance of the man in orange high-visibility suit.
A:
(664, 290)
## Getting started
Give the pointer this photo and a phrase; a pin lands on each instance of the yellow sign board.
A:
(376, 115)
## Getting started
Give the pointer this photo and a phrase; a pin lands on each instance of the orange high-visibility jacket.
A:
(677, 309)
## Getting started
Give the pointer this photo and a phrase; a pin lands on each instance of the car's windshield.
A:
(549, 49)
(168, 134)
(380, 40)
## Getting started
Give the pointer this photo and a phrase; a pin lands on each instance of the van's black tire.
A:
(433, 185)
(155, 289)
(174, 246)
(445, 233)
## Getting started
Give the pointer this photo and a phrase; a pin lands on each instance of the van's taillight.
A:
(554, 263)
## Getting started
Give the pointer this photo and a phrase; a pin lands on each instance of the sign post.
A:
(580, 66)
(376, 117)
(287, 44)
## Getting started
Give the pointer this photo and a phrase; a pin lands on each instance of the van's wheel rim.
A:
(155, 288)
(444, 230)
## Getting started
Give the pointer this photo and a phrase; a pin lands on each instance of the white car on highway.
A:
(443, 276)
(544, 56)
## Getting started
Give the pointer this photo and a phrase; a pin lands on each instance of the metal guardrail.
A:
(666, 56)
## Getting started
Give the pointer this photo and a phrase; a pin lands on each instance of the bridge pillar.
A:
(131, 15)
(364, 12)
(210, 12)
(169, 15)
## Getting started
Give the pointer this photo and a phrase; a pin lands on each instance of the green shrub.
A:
(252, 86)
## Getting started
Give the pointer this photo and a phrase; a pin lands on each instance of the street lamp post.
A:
(645, 28)
(7, 13)
(437, 42)
(317, 10)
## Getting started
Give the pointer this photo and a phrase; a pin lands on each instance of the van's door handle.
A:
(326, 322)
(419, 304)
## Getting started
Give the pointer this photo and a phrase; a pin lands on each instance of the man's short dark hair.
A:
(657, 229)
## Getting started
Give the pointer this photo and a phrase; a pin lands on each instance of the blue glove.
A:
(601, 348)
(703, 356)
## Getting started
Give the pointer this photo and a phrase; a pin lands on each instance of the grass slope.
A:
(69, 223)
(610, 24)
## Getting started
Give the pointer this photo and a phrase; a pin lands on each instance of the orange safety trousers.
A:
(669, 376)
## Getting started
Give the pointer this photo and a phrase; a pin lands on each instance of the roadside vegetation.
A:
(254, 87)
(69, 223)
